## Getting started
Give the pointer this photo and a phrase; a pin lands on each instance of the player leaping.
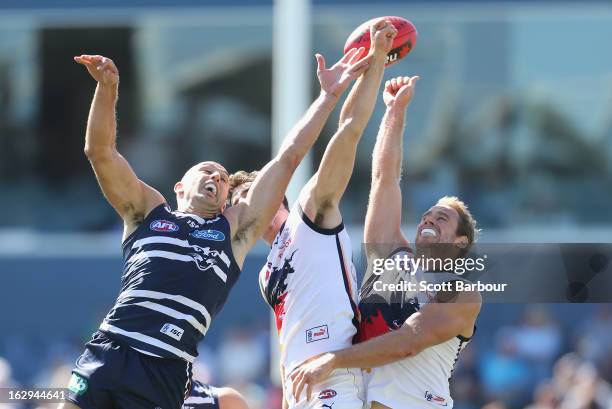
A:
(309, 279)
(178, 265)
(410, 342)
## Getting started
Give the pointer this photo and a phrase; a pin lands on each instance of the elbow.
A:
(382, 177)
(290, 159)
(96, 154)
(89, 152)
(407, 351)
(409, 344)
(352, 129)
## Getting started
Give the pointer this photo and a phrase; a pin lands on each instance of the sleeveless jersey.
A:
(423, 379)
(310, 283)
(178, 270)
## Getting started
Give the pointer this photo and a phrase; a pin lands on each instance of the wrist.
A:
(379, 56)
(397, 111)
(334, 360)
(328, 97)
(108, 88)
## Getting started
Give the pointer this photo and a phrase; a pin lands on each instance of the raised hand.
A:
(336, 79)
(382, 34)
(102, 69)
(399, 91)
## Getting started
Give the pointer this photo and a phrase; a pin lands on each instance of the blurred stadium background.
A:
(513, 114)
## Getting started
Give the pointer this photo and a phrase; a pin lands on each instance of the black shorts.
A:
(111, 374)
(202, 396)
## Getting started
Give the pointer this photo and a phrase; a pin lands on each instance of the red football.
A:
(402, 43)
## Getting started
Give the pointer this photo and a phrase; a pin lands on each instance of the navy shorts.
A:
(202, 396)
(111, 374)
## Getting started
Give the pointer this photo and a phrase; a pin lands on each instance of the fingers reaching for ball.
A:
(400, 31)
(353, 55)
(383, 32)
(335, 79)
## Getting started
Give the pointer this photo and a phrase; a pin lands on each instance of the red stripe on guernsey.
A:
(279, 312)
(373, 327)
(347, 287)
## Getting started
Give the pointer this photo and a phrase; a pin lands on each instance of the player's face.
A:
(438, 225)
(205, 185)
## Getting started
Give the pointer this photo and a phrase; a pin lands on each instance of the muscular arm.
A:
(130, 197)
(433, 324)
(321, 196)
(269, 187)
(382, 231)
(265, 195)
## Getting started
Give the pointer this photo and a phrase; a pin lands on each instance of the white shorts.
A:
(385, 386)
(342, 390)
(404, 402)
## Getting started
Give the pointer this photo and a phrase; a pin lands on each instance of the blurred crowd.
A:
(545, 359)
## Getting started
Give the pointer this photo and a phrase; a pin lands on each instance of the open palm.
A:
(102, 69)
(336, 79)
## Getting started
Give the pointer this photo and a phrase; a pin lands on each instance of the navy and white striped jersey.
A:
(202, 396)
(178, 270)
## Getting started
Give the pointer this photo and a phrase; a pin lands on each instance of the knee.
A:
(231, 399)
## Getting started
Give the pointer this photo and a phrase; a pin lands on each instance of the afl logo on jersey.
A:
(214, 235)
(439, 400)
(327, 394)
(163, 226)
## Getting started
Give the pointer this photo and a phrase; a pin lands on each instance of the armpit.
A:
(244, 228)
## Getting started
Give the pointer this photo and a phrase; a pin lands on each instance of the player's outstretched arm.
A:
(322, 194)
(265, 195)
(130, 197)
(433, 324)
(382, 232)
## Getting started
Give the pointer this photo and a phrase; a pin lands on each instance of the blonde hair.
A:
(241, 177)
(467, 224)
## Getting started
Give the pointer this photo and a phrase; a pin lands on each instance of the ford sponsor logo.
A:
(163, 226)
(214, 235)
